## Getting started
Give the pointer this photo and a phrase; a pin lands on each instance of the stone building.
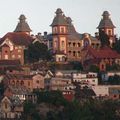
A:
(67, 42)
(13, 44)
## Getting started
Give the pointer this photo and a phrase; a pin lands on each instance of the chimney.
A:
(45, 34)
(96, 34)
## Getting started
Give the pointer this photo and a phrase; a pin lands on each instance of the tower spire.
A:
(22, 25)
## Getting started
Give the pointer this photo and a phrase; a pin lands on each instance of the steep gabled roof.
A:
(22, 26)
(106, 21)
(19, 38)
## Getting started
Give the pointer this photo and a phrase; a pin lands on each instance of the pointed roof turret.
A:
(59, 19)
(22, 25)
(71, 28)
(106, 21)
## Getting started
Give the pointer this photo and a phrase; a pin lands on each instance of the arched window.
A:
(69, 44)
(73, 44)
(74, 53)
(63, 44)
(69, 52)
(22, 82)
(79, 45)
(78, 53)
(86, 43)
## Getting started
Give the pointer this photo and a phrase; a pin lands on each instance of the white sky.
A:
(86, 14)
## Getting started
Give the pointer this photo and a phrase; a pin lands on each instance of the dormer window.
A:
(55, 30)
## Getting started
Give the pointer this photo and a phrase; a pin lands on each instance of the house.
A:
(17, 91)
(60, 83)
(10, 108)
(64, 73)
(101, 57)
(89, 78)
(14, 43)
(30, 82)
(48, 74)
(38, 81)
(67, 42)
(107, 91)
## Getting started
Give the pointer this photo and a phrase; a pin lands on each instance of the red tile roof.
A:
(18, 38)
(105, 52)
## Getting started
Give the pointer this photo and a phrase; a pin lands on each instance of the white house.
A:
(85, 78)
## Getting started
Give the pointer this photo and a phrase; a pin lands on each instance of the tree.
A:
(104, 38)
(37, 51)
(94, 68)
(114, 80)
(116, 45)
(77, 65)
(1, 87)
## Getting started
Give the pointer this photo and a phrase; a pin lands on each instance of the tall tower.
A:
(22, 26)
(59, 31)
(107, 26)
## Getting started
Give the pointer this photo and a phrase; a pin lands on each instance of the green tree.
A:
(116, 45)
(94, 68)
(104, 38)
(77, 65)
(1, 87)
(37, 51)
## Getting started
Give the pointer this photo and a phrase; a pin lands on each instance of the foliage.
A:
(1, 87)
(90, 109)
(112, 67)
(94, 68)
(37, 51)
(114, 80)
(77, 65)
(104, 38)
(52, 97)
(116, 45)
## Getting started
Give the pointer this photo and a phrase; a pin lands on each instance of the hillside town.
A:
(66, 63)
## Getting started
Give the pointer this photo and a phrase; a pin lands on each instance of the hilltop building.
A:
(13, 44)
(67, 42)
(107, 26)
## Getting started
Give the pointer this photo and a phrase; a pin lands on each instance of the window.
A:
(63, 45)
(19, 56)
(109, 32)
(6, 51)
(6, 105)
(86, 43)
(16, 47)
(19, 51)
(22, 82)
(69, 52)
(78, 53)
(20, 47)
(78, 44)
(62, 30)
(37, 81)
(74, 53)
(55, 30)
(6, 57)
(28, 83)
(69, 44)
(73, 44)
(13, 56)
